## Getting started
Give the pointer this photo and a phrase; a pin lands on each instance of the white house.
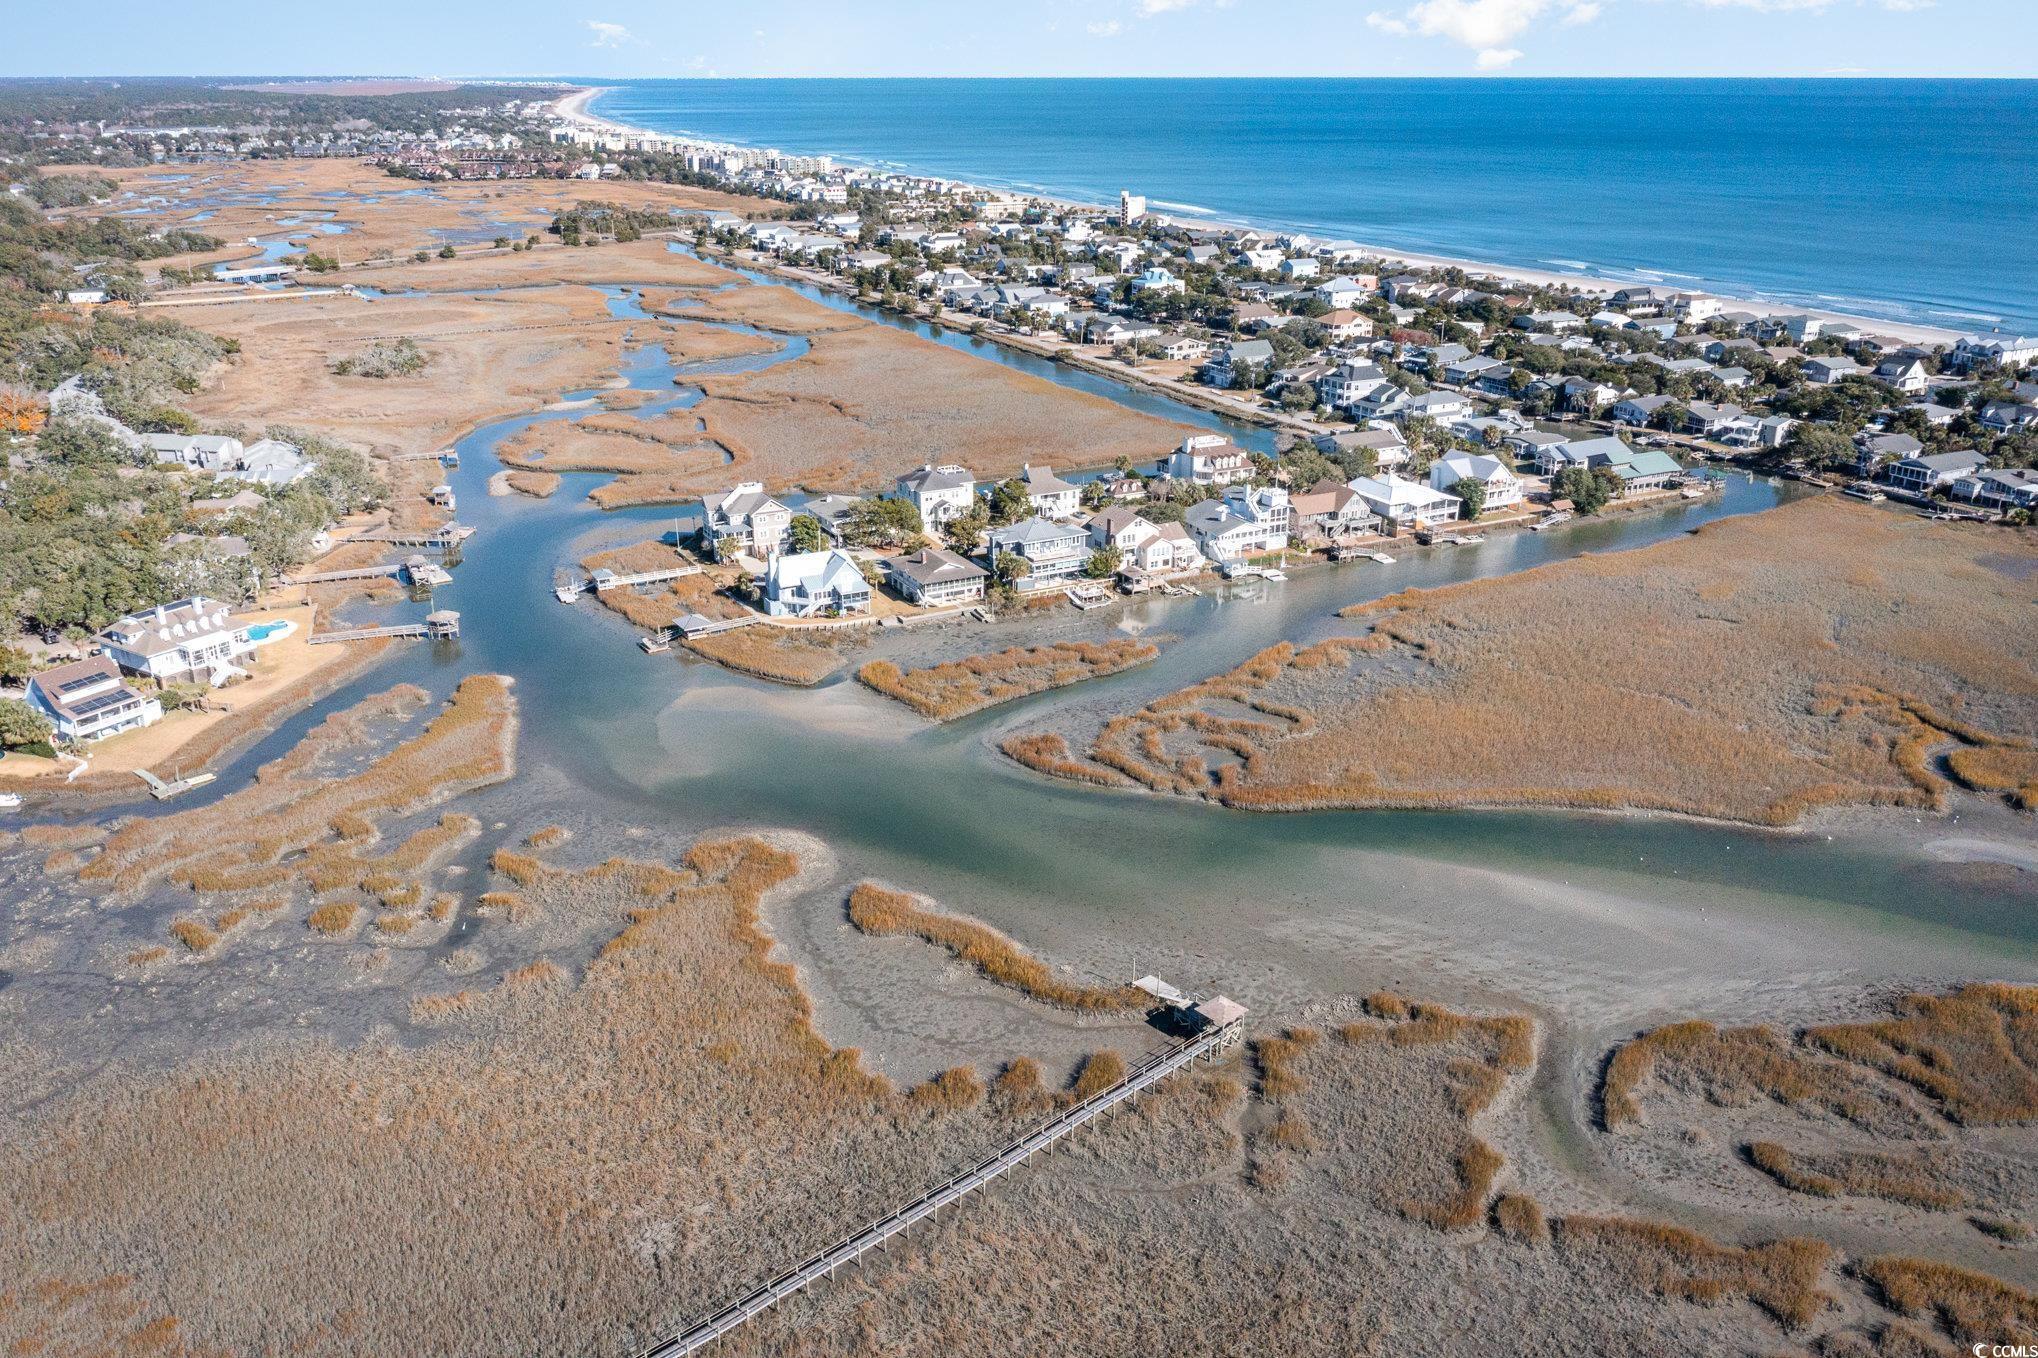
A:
(1405, 504)
(1300, 268)
(2011, 352)
(88, 700)
(201, 452)
(191, 638)
(1345, 291)
(940, 493)
(745, 521)
(809, 584)
(1208, 460)
(269, 462)
(1246, 522)
(1055, 553)
(1503, 487)
(1049, 494)
(1143, 548)
(932, 577)
(1826, 370)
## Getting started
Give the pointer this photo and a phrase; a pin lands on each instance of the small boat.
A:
(1273, 575)
(1865, 490)
(655, 645)
(1381, 557)
(10, 801)
(1551, 522)
(1692, 493)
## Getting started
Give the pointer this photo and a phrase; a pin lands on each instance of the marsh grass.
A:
(242, 841)
(1781, 1276)
(882, 912)
(1706, 683)
(959, 687)
(1520, 1217)
(772, 653)
(333, 918)
(1912, 1180)
(1972, 1307)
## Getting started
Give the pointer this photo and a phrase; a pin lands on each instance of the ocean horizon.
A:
(1891, 199)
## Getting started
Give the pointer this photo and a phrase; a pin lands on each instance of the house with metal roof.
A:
(815, 584)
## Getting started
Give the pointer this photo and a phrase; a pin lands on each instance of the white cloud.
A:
(1149, 8)
(1110, 28)
(1478, 24)
(1581, 14)
(1497, 58)
(609, 35)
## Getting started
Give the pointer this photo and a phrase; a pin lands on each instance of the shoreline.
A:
(576, 108)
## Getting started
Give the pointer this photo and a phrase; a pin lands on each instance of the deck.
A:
(1149, 1072)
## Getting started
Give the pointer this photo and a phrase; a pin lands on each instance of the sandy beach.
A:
(574, 108)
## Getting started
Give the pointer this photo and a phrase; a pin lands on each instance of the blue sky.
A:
(610, 38)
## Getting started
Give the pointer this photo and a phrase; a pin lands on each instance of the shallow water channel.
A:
(1605, 920)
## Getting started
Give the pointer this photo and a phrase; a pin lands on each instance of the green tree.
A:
(1586, 488)
(807, 533)
(963, 530)
(1472, 491)
(447, 252)
(872, 523)
(1011, 568)
(1009, 502)
(1103, 563)
(1819, 446)
(16, 664)
(22, 725)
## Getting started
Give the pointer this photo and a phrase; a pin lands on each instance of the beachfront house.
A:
(1503, 487)
(88, 700)
(187, 639)
(940, 493)
(1401, 504)
(2012, 352)
(1049, 494)
(1248, 521)
(745, 522)
(934, 578)
(1208, 460)
(815, 584)
(2004, 416)
(1054, 553)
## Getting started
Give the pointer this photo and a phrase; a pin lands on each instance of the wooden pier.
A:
(441, 626)
(452, 535)
(1224, 1029)
(694, 625)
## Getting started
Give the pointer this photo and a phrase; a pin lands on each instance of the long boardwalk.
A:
(1149, 1072)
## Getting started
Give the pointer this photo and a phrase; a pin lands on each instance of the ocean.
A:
(1909, 200)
